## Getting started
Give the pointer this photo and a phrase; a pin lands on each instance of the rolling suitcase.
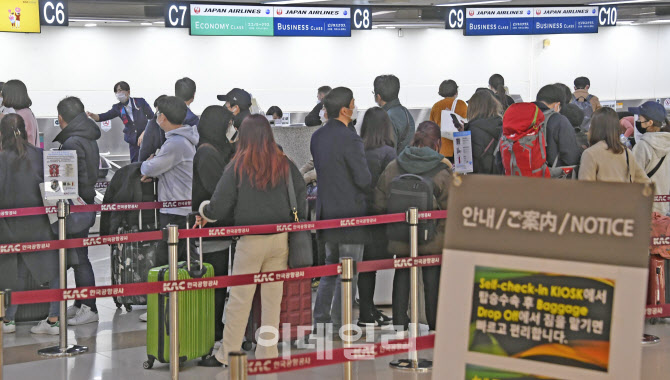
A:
(131, 262)
(196, 315)
(296, 310)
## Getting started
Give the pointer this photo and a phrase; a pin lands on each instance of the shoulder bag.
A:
(299, 242)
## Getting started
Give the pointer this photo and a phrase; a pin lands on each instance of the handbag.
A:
(299, 242)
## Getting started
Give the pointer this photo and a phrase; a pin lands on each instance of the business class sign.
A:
(305, 21)
(517, 21)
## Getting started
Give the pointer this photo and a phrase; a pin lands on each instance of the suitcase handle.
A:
(188, 243)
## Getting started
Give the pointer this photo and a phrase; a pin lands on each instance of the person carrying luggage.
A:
(561, 140)
(211, 158)
(21, 173)
(254, 190)
(456, 108)
(418, 167)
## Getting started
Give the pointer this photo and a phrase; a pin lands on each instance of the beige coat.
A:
(600, 164)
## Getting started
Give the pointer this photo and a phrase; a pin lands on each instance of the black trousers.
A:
(220, 261)
(165, 220)
(367, 281)
(401, 289)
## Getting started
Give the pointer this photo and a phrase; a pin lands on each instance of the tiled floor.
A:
(117, 350)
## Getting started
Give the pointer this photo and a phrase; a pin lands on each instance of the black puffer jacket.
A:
(81, 134)
(485, 136)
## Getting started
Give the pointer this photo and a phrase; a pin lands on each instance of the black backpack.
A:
(411, 190)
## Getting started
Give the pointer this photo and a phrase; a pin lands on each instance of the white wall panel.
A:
(623, 62)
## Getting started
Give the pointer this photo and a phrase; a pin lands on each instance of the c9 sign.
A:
(455, 18)
(607, 16)
(361, 18)
(177, 15)
(54, 13)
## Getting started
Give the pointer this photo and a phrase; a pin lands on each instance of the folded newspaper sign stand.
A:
(547, 280)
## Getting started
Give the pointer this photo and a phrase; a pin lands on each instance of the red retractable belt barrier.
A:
(340, 355)
(662, 198)
(54, 295)
(30, 211)
(213, 232)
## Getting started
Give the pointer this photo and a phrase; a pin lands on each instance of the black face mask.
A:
(638, 126)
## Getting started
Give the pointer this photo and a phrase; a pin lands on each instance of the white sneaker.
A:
(8, 327)
(72, 311)
(84, 315)
(143, 317)
(44, 327)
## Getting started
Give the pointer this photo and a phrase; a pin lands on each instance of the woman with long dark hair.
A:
(497, 85)
(485, 124)
(254, 190)
(377, 135)
(21, 173)
(608, 160)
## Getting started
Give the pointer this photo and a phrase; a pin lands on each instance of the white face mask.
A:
(354, 115)
(1, 101)
(322, 114)
(121, 97)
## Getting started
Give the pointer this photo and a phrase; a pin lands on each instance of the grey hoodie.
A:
(173, 166)
(648, 152)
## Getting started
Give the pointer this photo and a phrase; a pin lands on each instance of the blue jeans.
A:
(328, 304)
(83, 271)
(22, 284)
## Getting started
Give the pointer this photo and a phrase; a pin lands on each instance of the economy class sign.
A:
(231, 20)
(318, 22)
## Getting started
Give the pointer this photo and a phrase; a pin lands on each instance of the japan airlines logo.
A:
(196, 10)
(471, 13)
(539, 12)
(280, 12)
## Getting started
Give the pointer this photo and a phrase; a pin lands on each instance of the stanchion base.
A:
(650, 339)
(423, 365)
(57, 352)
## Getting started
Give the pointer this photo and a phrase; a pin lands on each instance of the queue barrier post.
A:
(173, 244)
(2, 316)
(413, 363)
(347, 278)
(63, 349)
(238, 365)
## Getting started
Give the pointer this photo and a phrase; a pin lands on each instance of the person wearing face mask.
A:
(173, 166)
(135, 113)
(562, 147)
(344, 182)
(386, 90)
(653, 147)
(213, 154)
(316, 116)
(153, 136)
(238, 102)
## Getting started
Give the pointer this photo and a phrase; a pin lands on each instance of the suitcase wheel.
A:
(149, 364)
(118, 305)
(247, 345)
(129, 307)
(653, 321)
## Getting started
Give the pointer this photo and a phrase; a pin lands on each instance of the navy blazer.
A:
(132, 130)
(343, 179)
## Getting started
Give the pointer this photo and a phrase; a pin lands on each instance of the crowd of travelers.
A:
(228, 163)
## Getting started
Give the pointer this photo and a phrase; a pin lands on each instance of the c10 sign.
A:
(607, 16)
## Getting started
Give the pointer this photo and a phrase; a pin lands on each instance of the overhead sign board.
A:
(455, 18)
(361, 18)
(54, 13)
(607, 16)
(498, 21)
(231, 20)
(540, 284)
(563, 20)
(177, 15)
(308, 21)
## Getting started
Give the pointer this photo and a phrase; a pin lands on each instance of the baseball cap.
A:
(236, 96)
(650, 110)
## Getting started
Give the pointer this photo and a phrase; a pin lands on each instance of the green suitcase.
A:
(196, 317)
